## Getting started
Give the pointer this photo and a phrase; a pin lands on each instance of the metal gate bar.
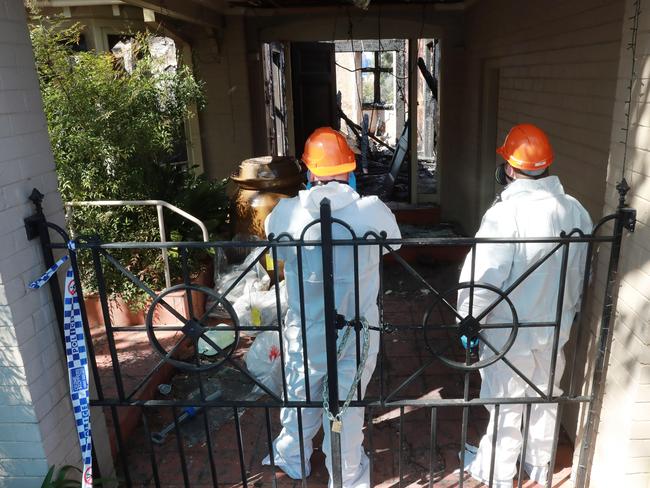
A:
(625, 218)
(152, 452)
(520, 475)
(331, 334)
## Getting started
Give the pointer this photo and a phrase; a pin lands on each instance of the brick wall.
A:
(625, 421)
(36, 423)
(557, 65)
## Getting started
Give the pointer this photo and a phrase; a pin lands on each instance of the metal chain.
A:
(357, 377)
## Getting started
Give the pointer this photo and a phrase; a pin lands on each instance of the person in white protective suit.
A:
(533, 204)
(330, 162)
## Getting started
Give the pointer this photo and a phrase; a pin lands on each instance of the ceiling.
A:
(327, 3)
(209, 12)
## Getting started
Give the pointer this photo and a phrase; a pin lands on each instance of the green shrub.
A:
(111, 133)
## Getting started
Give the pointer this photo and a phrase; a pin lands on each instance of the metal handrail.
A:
(159, 204)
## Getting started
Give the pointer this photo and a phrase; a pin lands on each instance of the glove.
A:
(472, 343)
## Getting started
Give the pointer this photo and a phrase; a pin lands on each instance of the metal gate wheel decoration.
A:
(194, 329)
(467, 327)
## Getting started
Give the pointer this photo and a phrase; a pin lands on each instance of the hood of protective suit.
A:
(533, 189)
(340, 196)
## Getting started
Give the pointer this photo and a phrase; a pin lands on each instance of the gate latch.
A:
(341, 322)
(387, 328)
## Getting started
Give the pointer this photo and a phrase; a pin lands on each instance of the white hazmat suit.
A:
(292, 216)
(528, 209)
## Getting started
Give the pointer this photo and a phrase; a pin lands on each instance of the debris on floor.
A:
(436, 231)
(264, 362)
(225, 382)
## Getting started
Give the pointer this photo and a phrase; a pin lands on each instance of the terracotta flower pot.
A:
(121, 314)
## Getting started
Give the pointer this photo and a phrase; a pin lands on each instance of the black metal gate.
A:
(177, 352)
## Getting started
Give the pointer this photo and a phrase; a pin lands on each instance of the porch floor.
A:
(404, 353)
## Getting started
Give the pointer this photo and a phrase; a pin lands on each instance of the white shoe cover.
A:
(470, 455)
(539, 474)
(292, 470)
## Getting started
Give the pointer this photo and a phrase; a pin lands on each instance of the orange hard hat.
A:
(327, 153)
(527, 148)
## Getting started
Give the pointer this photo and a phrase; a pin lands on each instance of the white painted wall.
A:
(226, 124)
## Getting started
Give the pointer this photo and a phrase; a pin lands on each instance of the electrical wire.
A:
(628, 103)
(351, 39)
(402, 78)
(399, 85)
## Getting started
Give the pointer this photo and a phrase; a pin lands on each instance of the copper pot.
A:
(262, 182)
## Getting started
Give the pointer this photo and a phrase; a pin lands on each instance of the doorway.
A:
(361, 87)
(313, 82)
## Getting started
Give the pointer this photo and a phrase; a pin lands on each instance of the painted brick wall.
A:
(557, 64)
(625, 421)
(36, 424)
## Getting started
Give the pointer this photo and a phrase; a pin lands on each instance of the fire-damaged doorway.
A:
(368, 90)
(313, 79)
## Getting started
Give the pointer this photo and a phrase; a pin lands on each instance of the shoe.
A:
(538, 474)
(292, 470)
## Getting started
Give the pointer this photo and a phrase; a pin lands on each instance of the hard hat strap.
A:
(501, 176)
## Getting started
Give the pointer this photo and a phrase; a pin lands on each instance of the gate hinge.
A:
(629, 218)
(33, 222)
(32, 226)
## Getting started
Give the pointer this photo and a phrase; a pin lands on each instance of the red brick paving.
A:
(404, 352)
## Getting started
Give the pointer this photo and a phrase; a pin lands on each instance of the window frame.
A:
(376, 72)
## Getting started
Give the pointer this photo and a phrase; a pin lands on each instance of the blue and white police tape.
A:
(36, 284)
(77, 361)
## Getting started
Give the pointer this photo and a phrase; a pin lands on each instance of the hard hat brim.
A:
(527, 166)
(332, 170)
(524, 165)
